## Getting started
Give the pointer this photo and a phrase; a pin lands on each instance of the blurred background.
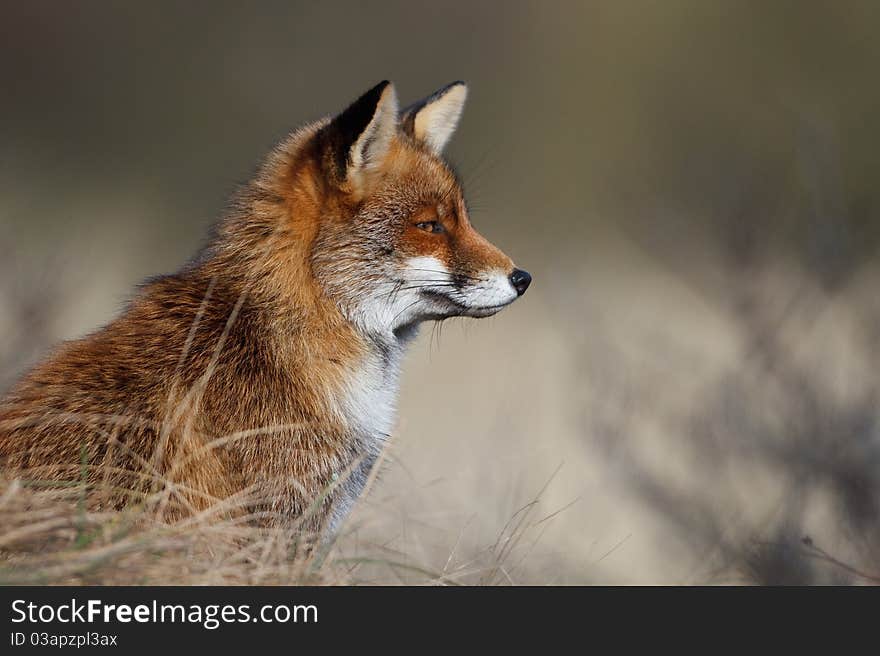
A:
(689, 391)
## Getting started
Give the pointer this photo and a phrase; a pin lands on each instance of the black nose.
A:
(520, 280)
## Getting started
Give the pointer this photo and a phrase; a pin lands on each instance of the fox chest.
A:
(368, 409)
(368, 402)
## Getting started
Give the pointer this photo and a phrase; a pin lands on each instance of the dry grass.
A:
(50, 536)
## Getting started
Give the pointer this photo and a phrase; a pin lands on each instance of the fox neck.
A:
(352, 364)
(372, 387)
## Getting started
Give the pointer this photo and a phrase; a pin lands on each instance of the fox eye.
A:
(430, 226)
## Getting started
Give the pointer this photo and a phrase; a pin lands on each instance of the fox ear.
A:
(434, 119)
(358, 139)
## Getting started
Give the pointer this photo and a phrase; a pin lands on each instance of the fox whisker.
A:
(396, 316)
(464, 276)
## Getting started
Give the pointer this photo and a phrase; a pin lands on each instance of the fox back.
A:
(263, 375)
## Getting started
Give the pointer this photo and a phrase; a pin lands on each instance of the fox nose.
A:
(520, 280)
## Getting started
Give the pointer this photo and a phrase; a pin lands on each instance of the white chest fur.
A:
(368, 406)
(369, 400)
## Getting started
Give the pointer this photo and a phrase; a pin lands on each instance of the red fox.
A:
(266, 369)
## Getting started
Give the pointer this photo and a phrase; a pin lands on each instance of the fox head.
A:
(391, 242)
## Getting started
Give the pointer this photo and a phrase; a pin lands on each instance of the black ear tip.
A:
(371, 97)
(452, 85)
(379, 88)
(361, 110)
